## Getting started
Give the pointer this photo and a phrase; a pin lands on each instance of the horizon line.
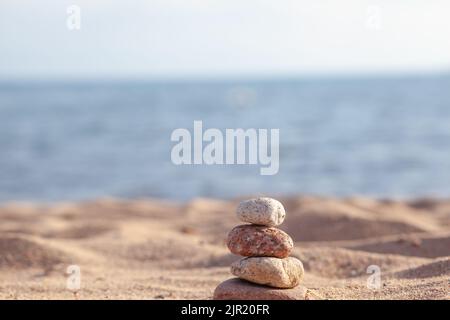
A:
(235, 77)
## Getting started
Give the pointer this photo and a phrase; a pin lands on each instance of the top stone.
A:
(262, 211)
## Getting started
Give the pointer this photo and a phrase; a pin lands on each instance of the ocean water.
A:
(384, 137)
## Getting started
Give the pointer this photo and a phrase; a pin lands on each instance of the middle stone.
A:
(259, 241)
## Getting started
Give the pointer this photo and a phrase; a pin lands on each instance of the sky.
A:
(214, 38)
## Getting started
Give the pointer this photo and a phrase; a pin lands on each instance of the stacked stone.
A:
(267, 269)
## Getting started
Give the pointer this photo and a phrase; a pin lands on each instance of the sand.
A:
(151, 249)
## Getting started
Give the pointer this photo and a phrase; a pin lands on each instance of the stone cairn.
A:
(267, 271)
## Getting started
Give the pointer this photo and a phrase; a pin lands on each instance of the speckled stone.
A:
(236, 289)
(274, 272)
(263, 211)
(259, 241)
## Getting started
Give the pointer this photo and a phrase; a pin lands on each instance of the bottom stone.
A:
(237, 289)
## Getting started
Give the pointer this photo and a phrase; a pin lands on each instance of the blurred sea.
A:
(386, 137)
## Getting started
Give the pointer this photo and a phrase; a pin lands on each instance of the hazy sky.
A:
(223, 37)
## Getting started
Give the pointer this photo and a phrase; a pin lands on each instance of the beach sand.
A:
(151, 249)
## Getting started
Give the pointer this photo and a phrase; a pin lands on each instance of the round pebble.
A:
(274, 272)
(263, 211)
(259, 241)
(236, 289)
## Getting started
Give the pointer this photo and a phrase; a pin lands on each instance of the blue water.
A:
(82, 140)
